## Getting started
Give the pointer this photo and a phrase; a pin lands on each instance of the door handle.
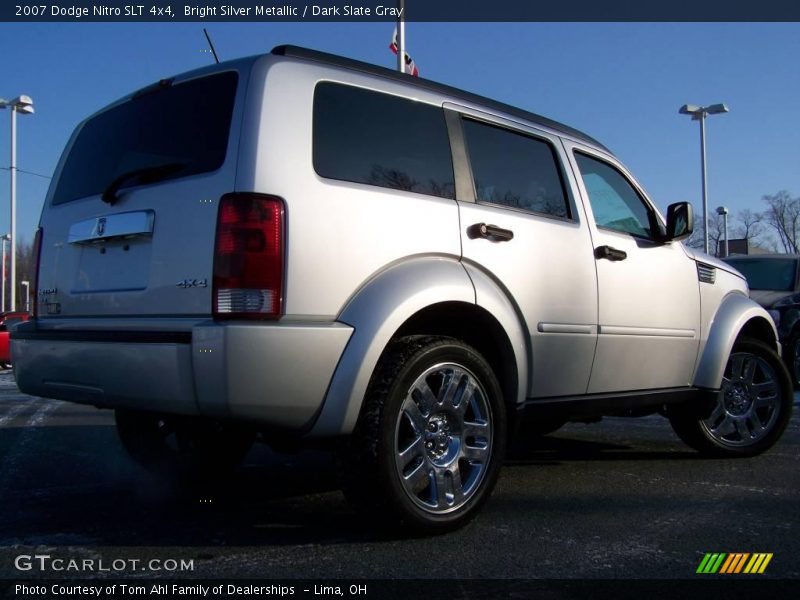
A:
(610, 253)
(489, 232)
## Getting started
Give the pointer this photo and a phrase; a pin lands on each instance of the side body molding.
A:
(376, 312)
(733, 314)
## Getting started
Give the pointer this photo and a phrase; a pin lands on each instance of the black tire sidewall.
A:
(444, 351)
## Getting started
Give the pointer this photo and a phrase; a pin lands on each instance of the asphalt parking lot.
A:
(620, 499)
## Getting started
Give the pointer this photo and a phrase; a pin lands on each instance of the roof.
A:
(427, 84)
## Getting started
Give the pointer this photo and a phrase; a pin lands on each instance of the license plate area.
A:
(113, 266)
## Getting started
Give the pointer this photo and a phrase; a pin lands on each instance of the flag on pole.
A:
(409, 66)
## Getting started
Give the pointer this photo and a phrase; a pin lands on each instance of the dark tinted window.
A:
(185, 125)
(615, 203)
(775, 274)
(514, 170)
(382, 140)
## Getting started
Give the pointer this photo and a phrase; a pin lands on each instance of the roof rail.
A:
(363, 67)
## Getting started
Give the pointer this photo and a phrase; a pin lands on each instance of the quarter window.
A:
(383, 140)
(515, 170)
(615, 203)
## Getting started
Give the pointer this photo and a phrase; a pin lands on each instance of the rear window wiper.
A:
(143, 175)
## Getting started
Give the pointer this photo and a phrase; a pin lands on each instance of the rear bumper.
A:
(274, 374)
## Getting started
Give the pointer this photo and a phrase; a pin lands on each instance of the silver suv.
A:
(309, 248)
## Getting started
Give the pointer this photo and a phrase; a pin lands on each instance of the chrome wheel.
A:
(749, 402)
(443, 438)
(430, 438)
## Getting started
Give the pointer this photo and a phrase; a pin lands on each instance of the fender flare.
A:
(378, 310)
(490, 296)
(733, 314)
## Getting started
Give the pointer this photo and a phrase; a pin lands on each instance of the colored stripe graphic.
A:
(711, 563)
(758, 563)
(727, 564)
(734, 563)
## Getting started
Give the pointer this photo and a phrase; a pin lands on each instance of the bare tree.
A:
(751, 225)
(24, 260)
(783, 216)
(716, 228)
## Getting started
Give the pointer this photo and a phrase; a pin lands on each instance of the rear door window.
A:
(383, 140)
(515, 170)
(183, 126)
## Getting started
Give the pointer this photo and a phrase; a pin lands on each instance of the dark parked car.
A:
(775, 285)
(8, 321)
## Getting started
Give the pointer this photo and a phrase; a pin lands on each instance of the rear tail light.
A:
(248, 257)
(37, 256)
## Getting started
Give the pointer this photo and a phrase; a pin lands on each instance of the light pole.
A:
(3, 239)
(699, 113)
(723, 210)
(401, 37)
(24, 105)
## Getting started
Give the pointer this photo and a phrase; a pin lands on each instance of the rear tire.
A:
(183, 446)
(431, 436)
(753, 406)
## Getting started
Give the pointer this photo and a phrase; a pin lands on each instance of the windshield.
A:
(768, 273)
(186, 124)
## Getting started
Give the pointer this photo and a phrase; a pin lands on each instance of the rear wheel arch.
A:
(477, 327)
(436, 293)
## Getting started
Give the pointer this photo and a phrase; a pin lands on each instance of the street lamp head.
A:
(698, 112)
(22, 104)
(722, 210)
(716, 109)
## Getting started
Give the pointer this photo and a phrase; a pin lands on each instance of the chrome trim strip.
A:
(120, 225)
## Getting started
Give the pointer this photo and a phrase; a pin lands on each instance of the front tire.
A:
(431, 436)
(753, 406)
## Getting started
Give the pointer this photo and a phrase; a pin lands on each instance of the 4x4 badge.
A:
(191, 283)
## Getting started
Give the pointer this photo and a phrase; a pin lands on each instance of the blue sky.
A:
(621, 83)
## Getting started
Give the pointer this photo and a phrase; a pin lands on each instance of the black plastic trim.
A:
(115, 336)
(462, 169)
(357, 65)
(592, 405)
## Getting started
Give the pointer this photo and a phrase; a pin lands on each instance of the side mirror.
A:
(680, 221)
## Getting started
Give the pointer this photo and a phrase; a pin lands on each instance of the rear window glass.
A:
(383, 140)
(184, 126)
